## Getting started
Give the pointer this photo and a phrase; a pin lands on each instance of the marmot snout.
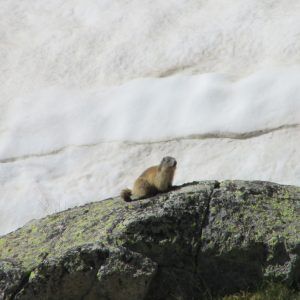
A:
(152, 181)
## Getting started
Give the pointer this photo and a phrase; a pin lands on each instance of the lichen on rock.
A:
(201, 239)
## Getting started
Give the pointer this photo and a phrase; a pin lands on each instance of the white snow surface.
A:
(94, 92)
(81, 44)
(150, 110)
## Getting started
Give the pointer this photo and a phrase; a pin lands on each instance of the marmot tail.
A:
(126, 195)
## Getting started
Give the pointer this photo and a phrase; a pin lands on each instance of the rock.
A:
(201, 239)
(11, 278)
(91, 272)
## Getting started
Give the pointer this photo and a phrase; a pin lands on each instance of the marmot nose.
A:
(175, 163)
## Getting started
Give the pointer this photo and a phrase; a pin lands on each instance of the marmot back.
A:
(152, 181)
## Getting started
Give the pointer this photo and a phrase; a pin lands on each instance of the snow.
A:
(151, 109)
(88, 44)
(93, 93)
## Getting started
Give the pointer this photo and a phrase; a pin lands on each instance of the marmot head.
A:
(168, 162)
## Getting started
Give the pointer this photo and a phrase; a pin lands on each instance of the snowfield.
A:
(93, 93)
(151, 109)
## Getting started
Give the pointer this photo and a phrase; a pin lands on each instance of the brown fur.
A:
(152, 181)
(126, 195)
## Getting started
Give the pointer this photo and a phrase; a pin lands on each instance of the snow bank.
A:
(151, 110)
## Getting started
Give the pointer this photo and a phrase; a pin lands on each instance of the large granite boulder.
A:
(200, 240)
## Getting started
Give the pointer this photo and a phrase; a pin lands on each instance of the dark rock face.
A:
(91, 272)
(200, 240)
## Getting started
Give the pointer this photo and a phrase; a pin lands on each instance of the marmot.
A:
(152, 181)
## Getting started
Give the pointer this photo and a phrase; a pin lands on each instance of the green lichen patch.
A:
(55, 234)
(260, 216)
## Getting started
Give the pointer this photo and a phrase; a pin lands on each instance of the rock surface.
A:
(199, 240)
